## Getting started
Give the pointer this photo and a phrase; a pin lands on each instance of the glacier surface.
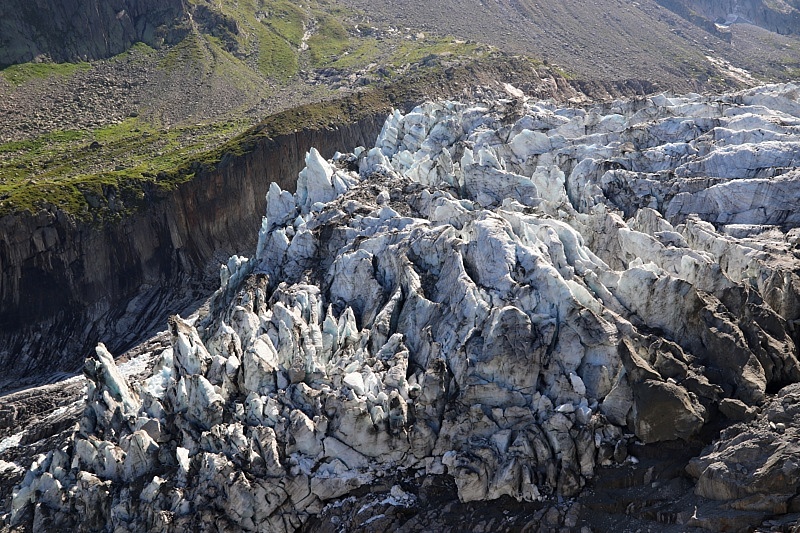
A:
(505, 293)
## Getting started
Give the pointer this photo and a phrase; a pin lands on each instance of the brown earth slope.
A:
(665, 43)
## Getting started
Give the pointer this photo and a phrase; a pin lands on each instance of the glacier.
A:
(505, 292)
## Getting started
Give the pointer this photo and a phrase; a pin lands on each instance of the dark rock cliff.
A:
(75, 30)
(779, 17)
(65, 285)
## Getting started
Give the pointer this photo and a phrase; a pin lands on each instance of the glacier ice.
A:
(497, 297)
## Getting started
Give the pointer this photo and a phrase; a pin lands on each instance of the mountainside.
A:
(609, 40)
(505, 301)
(670, 45)
(82, 30)
(779, 17)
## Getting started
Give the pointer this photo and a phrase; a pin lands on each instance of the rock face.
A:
(66, 285)
(505, 295)
(79, 30)
(780, 17)
(754, 466)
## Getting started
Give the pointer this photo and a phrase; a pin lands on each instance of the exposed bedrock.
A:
(781, 17)
(65, 284)
(755, 463)
(86, 30)
(475, 305)
(74, 30)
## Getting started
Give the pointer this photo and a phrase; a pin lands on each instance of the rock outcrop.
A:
(506, 295)
(79, 30)
(754, 466)
(779, 17)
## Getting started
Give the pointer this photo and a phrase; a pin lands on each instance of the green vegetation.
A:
(74, 170)
(278, 38)
(413, 51)
(563, 73)
(276, 58)
(328, 41)
(189, 53)
(111, 171)
(136, 51)
(264, 34)
(225, 66)
(206, 56)
(270, 32)
(19, 74)
(286, 20)
(79, 195)
(38, 143)
(367, 51)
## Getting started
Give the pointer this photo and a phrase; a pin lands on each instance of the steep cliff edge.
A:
(78, 30)
(110, 282)
(779, 17)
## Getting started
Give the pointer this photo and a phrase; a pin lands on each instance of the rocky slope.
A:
(779, 17)
(506, 301)
(607, 44)
(664, 40)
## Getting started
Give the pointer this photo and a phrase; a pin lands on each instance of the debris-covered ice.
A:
(502, 294)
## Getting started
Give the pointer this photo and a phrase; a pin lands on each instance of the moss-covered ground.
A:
(69, 169)
(19, 74)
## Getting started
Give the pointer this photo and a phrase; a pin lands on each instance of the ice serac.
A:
(502, 297)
